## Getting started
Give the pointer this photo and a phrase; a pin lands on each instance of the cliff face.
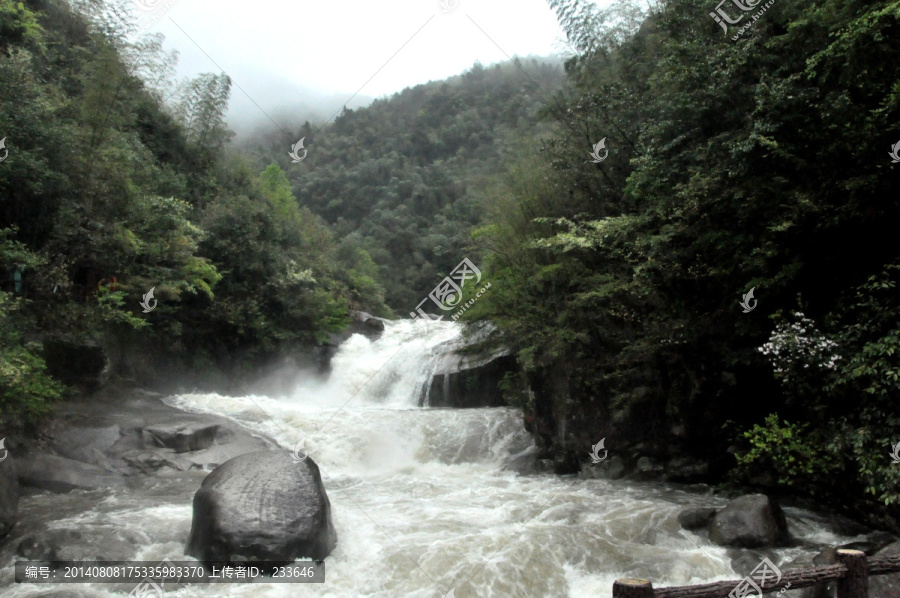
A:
(468, 381)
(467, 373)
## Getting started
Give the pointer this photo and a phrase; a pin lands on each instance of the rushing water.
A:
(423, 500)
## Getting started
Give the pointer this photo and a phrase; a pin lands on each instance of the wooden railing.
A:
(851, 572)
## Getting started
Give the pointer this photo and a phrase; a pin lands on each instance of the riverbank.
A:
(447, 489)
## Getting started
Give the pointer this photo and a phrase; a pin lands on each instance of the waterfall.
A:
(428, 500)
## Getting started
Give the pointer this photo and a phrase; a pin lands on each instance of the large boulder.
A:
(262, 506)
(9, 493)
(886, 586)
(462, 380)
(696, 518)
(751, 521)
(58, 474)
(182, 436)
(366, 324)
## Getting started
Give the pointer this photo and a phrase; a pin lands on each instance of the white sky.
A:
(277, 50)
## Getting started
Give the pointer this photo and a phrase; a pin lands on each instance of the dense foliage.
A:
(760, 163)
(107, 192)
(747, 161)
(402, 179)
(120, 180)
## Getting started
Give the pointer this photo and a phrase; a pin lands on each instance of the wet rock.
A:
(873, 543)
(886, 586)
(751, 521)
(78, 363)
(465, 381)
(686, 470)
(57, 474)
(262, 506)
(86, 444)
(645, 465)
(565, 463)
(744, 561)
(151, 461)
(609, 469)
(696, 518)
(9, 494)
(366, 324)
(76, 545)
(181, 436)
(824, 589)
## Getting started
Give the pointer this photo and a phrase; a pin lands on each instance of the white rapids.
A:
(424, 501)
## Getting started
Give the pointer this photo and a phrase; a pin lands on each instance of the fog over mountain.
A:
(305, 61)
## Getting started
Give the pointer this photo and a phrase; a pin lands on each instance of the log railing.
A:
(851, 573)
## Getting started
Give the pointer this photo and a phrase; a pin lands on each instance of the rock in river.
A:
(751, 521)
(262, 506)
(9, 494)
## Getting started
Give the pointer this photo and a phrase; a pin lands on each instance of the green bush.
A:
(798, 458)
(25, 389)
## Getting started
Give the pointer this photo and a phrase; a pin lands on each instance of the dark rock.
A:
(150, 461)
(9, 493)
(686, 470)
(76, 545)
(696, 518)
(646, 468)
(744, 561)
(565, 463)
(751, 521)
(262, 506)
(826, 557)
(182, 436)
(609, 469)
(374, 324)
(77, 363)
(886, 586)
(57, 474)
(366, 324)
(823, 589)
(469, 383)
(873, 543)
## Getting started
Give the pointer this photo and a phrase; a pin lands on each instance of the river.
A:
(424, 501)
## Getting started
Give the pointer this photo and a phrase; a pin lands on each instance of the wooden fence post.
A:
(856, 583)
(632, 588)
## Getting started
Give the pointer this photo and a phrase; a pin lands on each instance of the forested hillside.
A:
(120, 180)
(404, 178)
(762, 163)
(108, 192)
(621, 272)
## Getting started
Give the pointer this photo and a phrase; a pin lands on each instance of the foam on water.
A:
(424, 500)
